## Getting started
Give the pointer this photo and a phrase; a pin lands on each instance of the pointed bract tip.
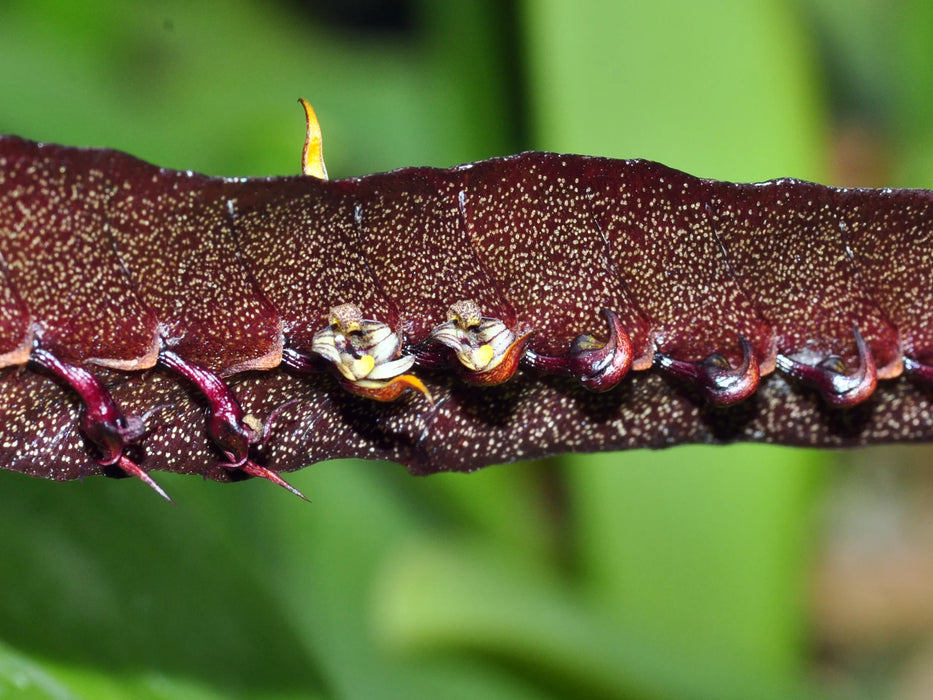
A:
(261, 472)
(131, 468)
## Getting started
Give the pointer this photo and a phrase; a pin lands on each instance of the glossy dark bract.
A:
(448, 319)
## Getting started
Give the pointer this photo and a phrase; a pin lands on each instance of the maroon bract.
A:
(501, 310)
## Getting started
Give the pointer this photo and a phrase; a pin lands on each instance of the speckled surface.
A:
(108, 257)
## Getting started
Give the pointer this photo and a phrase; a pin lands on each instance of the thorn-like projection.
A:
(130, 467)
(598, 365)
(101, 421)
(715, 378)
(829, 377)
(367, 354)
(229, 428)
(487, 349)
(312, 155)
(262, 472)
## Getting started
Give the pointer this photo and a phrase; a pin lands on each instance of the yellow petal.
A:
(483, 355)
(363, 366)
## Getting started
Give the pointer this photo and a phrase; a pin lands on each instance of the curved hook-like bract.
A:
(502, 310)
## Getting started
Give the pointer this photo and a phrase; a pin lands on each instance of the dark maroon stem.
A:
(101, 421)
(225, 424)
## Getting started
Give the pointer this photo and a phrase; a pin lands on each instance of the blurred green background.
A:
(684, 573)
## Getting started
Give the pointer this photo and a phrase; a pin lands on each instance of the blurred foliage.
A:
(650, 575)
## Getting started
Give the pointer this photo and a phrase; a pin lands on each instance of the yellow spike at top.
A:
(312, 155)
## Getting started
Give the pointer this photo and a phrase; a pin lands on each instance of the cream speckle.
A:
(216, 268)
